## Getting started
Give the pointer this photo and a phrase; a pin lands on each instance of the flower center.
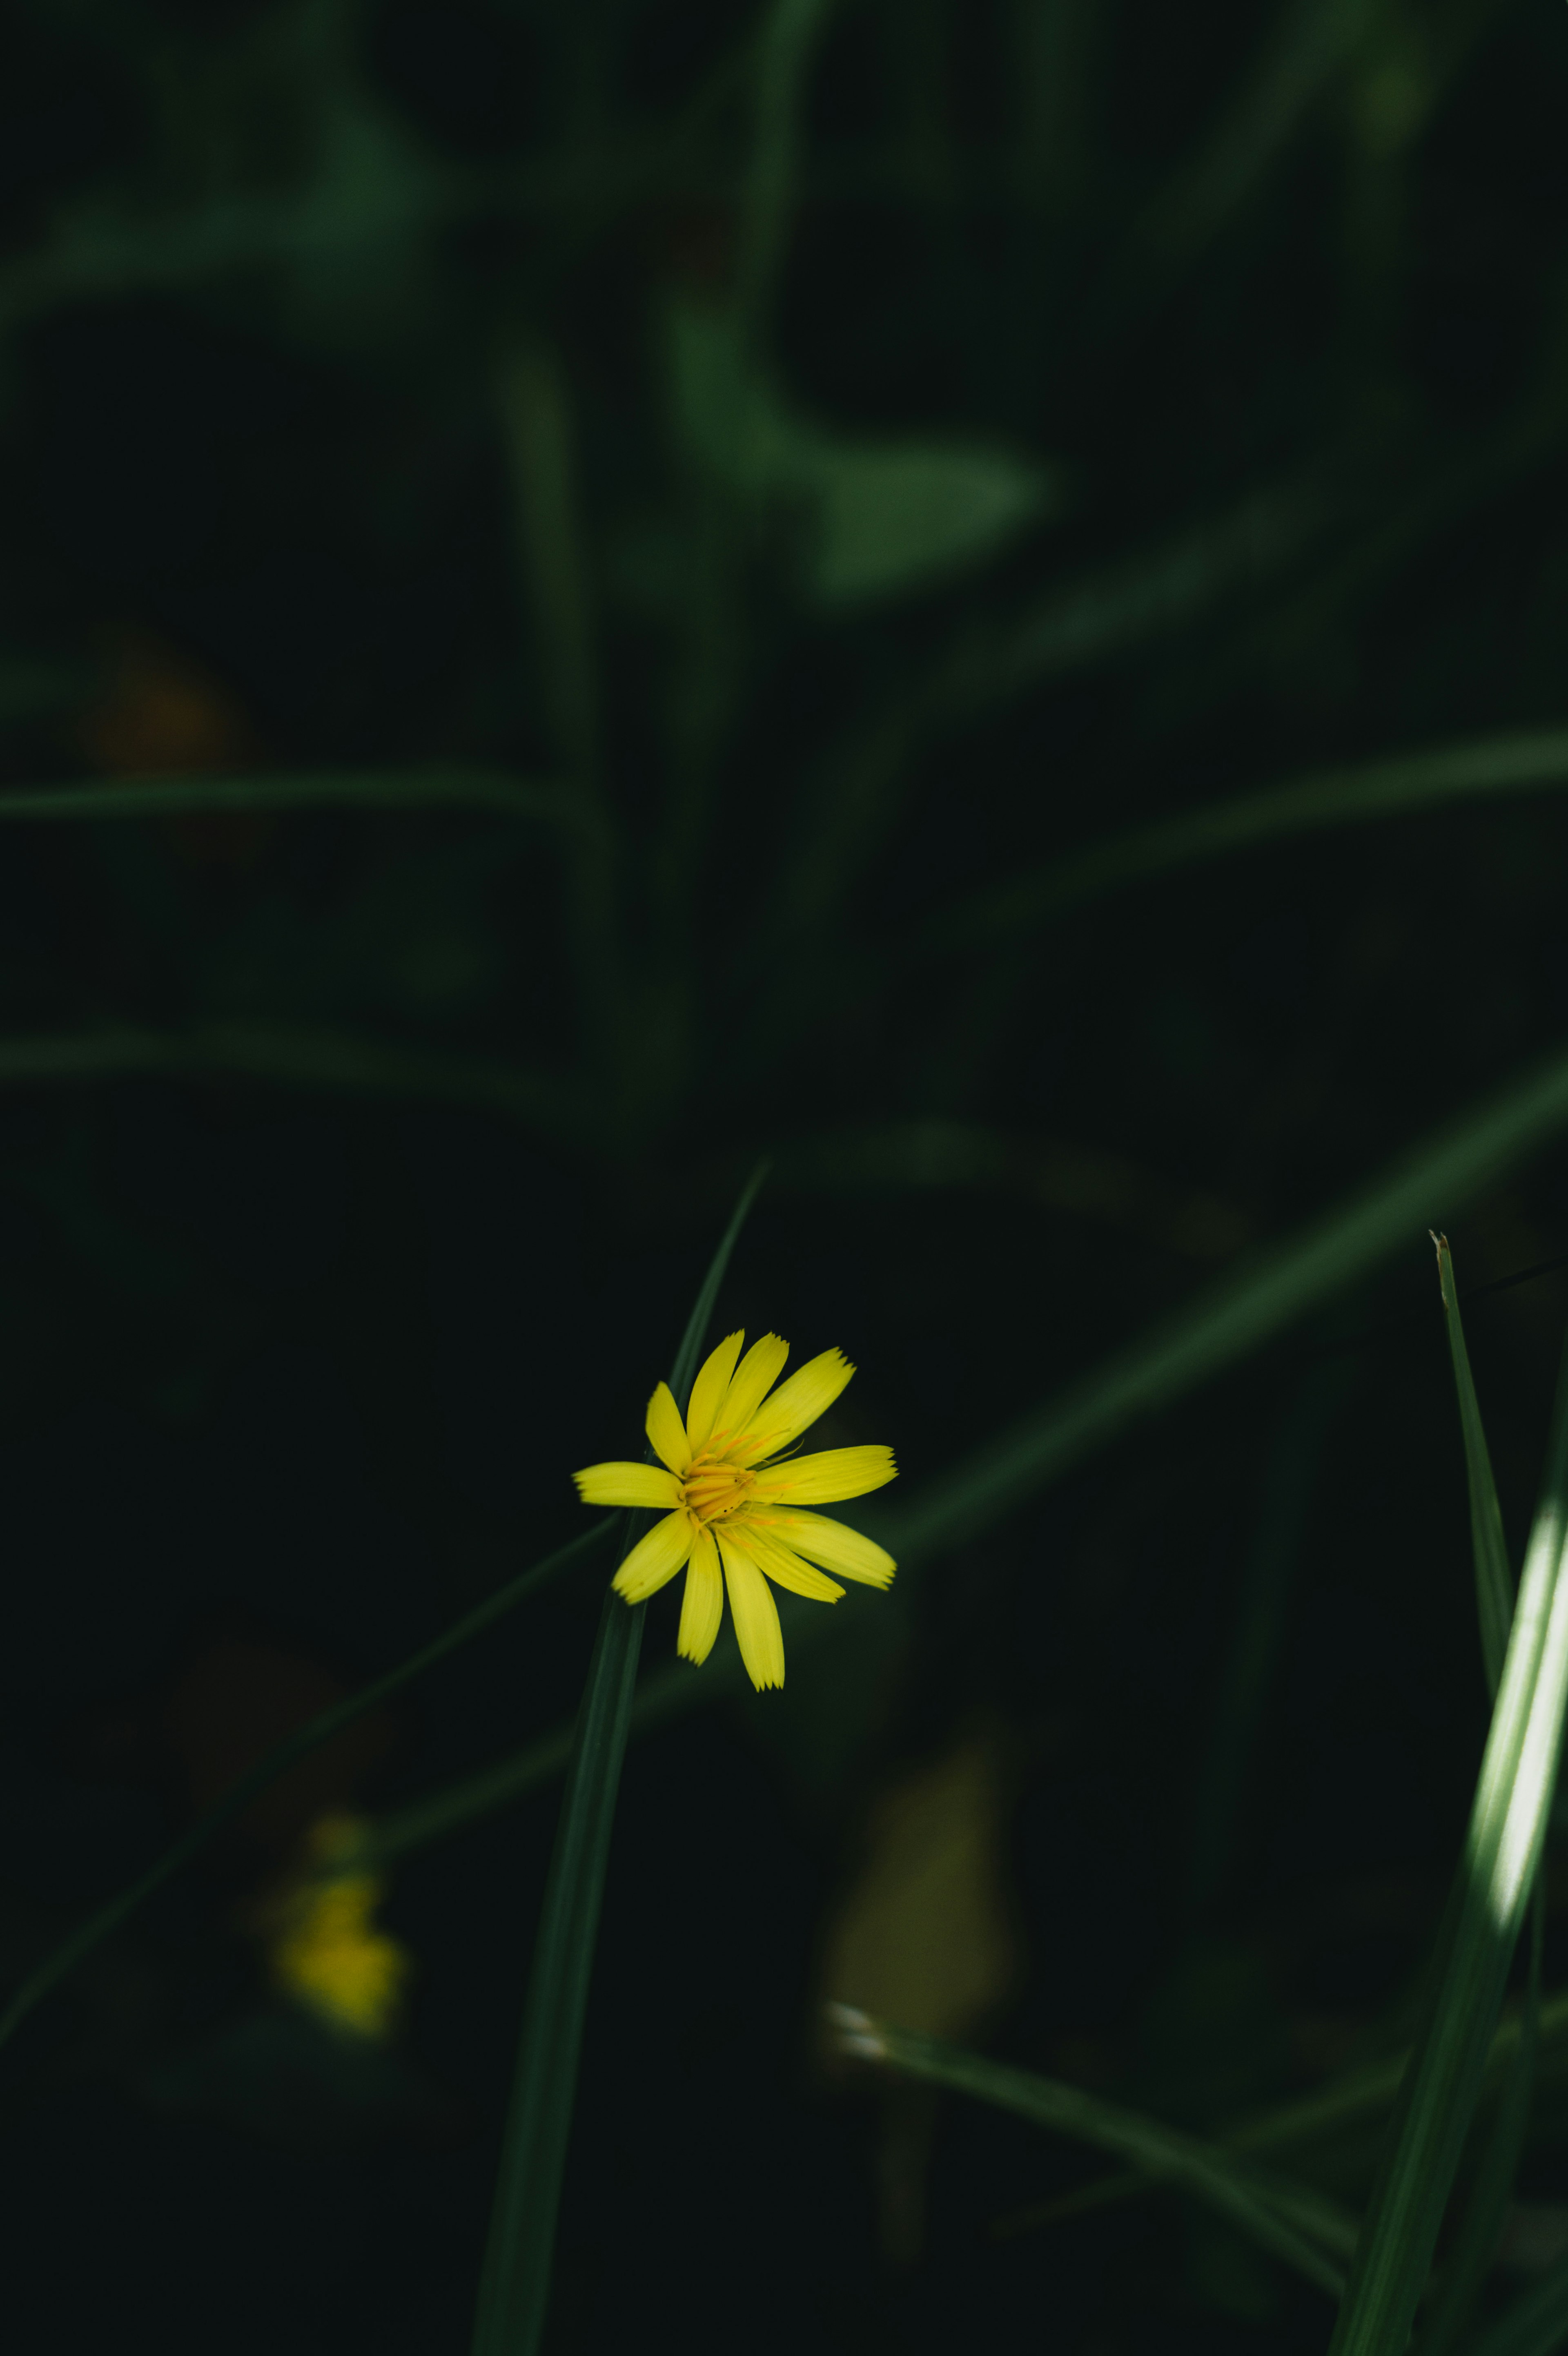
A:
(711, 1490)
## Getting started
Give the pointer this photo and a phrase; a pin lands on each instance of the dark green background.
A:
(1270, 308)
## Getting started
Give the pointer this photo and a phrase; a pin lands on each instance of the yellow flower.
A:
(327, 1953)
(734, 1500)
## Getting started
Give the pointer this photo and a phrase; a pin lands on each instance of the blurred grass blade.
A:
(282, 1756)
(287, 1055)
(1378, 790)
(514, 2289)
(1268, 1579)
(1231, 1319)
(1346, 2105)
(1502, 1850)
(1494, 1576)
(788, 36)
(1292, 2222)
(178, 796)
(1535, 2325)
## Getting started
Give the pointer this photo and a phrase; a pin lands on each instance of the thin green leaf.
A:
(1494, 1574)
(1502, 1850)
(1231, 1319)
(179, 797)
(1292, 2221)
(1535, 2325)
(283, 1755)
(1333, 797)
(514, 2289)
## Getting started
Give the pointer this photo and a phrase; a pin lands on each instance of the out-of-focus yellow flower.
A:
(733, 1500)
(326, 1950)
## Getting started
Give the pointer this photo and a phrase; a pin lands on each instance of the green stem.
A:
(514, 2289)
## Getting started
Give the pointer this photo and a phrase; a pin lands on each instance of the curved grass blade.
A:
(283, 1755)
(1496, 1871)
(1535, 2325)
(1292, 2221)
(1332, 797)
(1266, 1293)
(179, 797)
(289, 1056)
(1494, 1574)
(514, 2289)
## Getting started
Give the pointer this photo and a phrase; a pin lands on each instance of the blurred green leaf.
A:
(283, 1755)
(859, 519)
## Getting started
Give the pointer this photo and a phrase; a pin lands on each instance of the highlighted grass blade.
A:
(1460, 2283)
(1497, 1871)
(1293, 2222)
(283, 1755)
(1494, 1574)
(514, 2289)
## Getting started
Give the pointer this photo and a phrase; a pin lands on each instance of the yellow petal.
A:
(702, 1607)
(780, 1563)
(819, 1479)
(712, 1382)
(833, 1543)
(756, 1616)
(795, 1405)
(756, 1373)
(665, 1429)
(655, 1558)
(627, 1485)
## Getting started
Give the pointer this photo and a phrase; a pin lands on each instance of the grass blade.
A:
(1293, 2222)
(292, 1055)
(1229, 1320)
(1345, 2104)
(1333, 797)
(514, 2289)
(444, 789)
(1494, 1574)
(1502, 1850)
(276, 1762)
